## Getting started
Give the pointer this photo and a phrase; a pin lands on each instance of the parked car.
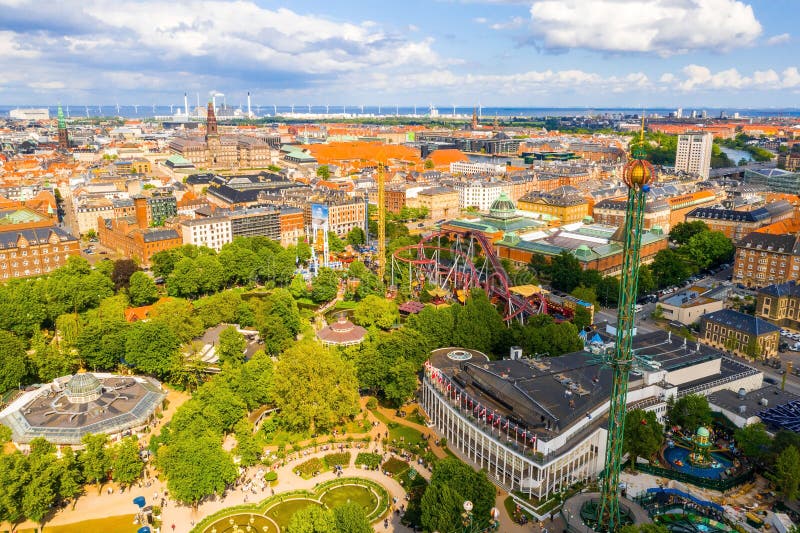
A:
(771, 381)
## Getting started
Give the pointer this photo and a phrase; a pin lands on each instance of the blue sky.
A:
(714, 53)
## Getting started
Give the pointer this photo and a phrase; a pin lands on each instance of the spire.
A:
(211, 122)
(62, 124)
(63, 135)
(637, 147)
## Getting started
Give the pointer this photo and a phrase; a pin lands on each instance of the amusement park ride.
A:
(637, 176)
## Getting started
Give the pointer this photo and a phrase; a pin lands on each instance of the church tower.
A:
(212, 136)
(63, 135)
(474, 119)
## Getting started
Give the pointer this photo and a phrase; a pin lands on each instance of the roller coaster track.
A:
(459, 271)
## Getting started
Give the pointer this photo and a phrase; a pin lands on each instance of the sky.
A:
(513, 53)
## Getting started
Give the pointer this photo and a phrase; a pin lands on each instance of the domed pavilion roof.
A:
(83, 388)
(503, 207)
(702, 432)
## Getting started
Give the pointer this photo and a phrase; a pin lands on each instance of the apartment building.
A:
(735, 224)
(780, 304)
(611, 212)
(211, 232)
(763, 259)
(31, 244)
(441, 202)
(693, 154)
(739, 333)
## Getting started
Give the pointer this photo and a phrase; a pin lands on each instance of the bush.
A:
(372, 403)
(310, 468)
(333, 459)
(370, 460)
(271, 477)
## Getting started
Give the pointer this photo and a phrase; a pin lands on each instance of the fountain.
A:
(701, 448)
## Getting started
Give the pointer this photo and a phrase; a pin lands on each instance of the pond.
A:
(678, 459)
(363, 496)
(736, 155)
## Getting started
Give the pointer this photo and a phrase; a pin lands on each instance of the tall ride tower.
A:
(637, 177)
(63, 134)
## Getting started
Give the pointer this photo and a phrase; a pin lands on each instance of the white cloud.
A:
(783, 38)
(665, 27)
(46, 85)
(515, 22)
(698, 77)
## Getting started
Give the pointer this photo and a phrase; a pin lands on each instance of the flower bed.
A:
(333, 459)
(394, 466)
(370, 460)
(310, 468)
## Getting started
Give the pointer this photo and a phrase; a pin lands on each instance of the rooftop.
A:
(72, 406)
(741, 322)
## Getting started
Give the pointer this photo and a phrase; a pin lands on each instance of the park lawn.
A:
(117, 524)
(398, 431)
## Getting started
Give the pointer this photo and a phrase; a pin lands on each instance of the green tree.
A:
(670, 268)
(786, 475)
(683, 231)
(312, 519)
(126, 463)
(582, 317)
(707, 249)
(753, 440)
(356, 237)
(247, 447)
(298, 287)
(376, 311)
(122, 272)
(314, 388)
(351, 518)
(477, 323)
(252, 382)
(429, 164)
(335, 244)
(435, 324)
(643, 434)
(690, 412)
(142, 289)
(564, 272)
(14, 478)
(152, 349)
(12, 363)
(324, 172)
(101, 343)
(587, 294)
(325, 286)
(177, 315)
(239, 261)
(94, 459)
(451, 484)
(231, 346)
(196, 466)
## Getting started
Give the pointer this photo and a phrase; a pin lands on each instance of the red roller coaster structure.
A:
(458, 266)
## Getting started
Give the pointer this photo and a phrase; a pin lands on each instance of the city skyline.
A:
(539, 53)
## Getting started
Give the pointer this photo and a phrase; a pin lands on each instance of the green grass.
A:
(346, 305)
(394, 466)
(397, 431)
(362, 496)
(280, 508)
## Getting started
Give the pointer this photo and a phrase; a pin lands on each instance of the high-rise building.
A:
(694, 153)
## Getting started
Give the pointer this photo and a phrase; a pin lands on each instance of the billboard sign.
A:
(319, 214)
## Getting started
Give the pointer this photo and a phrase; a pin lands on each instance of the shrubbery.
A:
(370, 460)
(310, 468)
(333, 459)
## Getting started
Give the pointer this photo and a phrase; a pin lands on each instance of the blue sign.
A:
(139, 500)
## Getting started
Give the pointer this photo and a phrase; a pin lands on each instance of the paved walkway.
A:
(93, 505)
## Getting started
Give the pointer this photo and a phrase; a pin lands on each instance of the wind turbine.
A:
(274, 110)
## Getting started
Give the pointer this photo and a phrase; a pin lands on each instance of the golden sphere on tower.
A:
(638, 173)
